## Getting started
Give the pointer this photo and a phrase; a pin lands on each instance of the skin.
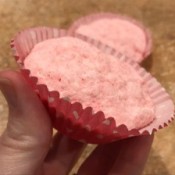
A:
(28, 146)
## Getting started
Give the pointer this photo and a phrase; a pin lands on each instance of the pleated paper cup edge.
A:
(118, 129)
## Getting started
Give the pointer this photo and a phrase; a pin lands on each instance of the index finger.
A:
(133, 156)
(123, 157)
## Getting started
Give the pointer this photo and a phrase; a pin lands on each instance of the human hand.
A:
(27, 146)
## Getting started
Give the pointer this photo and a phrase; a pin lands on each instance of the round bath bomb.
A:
(121, 33)
(82, 73)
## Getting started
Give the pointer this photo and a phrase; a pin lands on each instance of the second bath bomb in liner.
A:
(122, 33)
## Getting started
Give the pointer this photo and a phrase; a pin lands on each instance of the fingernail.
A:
(9, 92)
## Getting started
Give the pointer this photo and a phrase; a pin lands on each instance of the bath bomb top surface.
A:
(83, 73)
(121, 34)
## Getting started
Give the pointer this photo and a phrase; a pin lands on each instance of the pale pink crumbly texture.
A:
(123, 35)
(84, 74)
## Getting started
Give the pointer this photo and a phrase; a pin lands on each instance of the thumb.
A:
(26, 140)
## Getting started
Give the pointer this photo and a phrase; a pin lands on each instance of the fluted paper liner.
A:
(96, 16)
(81, 123)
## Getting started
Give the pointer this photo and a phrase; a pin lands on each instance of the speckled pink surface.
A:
(120, 34)
(83, 73)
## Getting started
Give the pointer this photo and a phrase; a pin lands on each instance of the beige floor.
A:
(158, 15)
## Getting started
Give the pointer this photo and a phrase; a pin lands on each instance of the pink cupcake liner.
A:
(96, 16)
(70, 118)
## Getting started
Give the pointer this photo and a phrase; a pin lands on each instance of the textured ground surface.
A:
(158, 15)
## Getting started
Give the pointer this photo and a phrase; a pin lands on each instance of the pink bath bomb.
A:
(83, 73)
(125, 35)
